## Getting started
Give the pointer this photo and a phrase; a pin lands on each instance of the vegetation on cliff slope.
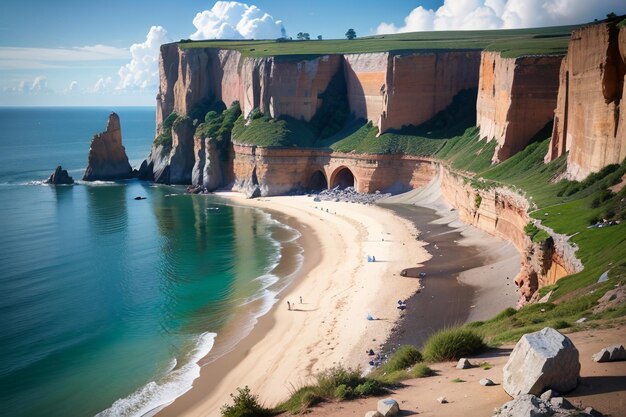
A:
(569, 208)
(512, 43)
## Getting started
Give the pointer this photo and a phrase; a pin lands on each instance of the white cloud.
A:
(102, 85)
(37, 87)
(29, 58)
(143, 69)
(234, 20)
(505, 14)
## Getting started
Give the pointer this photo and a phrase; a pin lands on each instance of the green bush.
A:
(165, 138)
(402, 358)
(244, 405)
(477, 201)
(452, 344)
(531, 230)
(330, 379)
(368, 388)
(343, 392)
(422, 371)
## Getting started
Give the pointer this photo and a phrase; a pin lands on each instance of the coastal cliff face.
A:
(504, 213)
(107, 158)
(281, 171)
(516, 99)
(418, 86)
(589, 120)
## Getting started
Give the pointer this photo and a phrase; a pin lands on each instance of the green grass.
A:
(267, 132)
(165, 139)
(457, 380)
(421, 370)
(452, 344)
(245, 404)
(512, 43)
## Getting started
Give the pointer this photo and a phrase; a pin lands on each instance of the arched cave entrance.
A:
(317, 182)
(343, 178)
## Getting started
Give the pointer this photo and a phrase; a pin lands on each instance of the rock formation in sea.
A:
(107, 156)
(60, 177)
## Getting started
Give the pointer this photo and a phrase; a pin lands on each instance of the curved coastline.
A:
(257, 360)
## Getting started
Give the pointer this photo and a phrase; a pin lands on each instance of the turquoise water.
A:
(108, 302)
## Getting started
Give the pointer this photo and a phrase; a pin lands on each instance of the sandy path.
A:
(330, 326)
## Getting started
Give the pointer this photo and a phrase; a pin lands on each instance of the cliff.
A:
(516, 99)
(589, 119)
(504, 213)
(107, 158)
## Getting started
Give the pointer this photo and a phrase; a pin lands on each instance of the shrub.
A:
(368, 388)
(477, 201)
(343, 392)
(300, 400)
(452, 344)
(244, 405)
(531, 230)
(422, 371)
(402, 358)
(330, 379)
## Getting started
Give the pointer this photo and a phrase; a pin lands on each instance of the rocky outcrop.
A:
(276, 171)
(107, 156)
(504, 213)
(516, 99)
(207, 171)
(60, 177)
(541, 360)
(529, 405)
(611, 354)
(590, 121)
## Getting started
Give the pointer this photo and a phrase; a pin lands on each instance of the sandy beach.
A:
(338, 286)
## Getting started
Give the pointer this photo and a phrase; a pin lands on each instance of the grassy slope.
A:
(511, 43)
(600, 249)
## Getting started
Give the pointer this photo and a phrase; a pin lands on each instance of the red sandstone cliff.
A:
(516, 99)
(107, 158)
(589, 120)
(504, 213)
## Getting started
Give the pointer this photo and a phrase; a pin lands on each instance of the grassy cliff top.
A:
(511, 42)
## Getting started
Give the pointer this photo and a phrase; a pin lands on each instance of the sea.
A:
(107, 303)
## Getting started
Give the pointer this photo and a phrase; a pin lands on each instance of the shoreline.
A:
(339, 288)
(285, 355)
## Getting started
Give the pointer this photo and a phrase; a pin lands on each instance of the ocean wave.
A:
(150, 398)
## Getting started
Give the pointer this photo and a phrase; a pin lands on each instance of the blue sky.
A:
(79, 53)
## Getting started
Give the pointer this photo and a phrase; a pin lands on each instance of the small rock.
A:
(442, 400)
(581, 320)
(525, 405)
(611, 354)
(60, 177)
(373, 414)
(547, 395)
(486, 382)
(388, 407)
(593, 412)
(562, 403)
(463, 364)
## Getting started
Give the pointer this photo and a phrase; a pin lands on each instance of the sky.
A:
(70, 53)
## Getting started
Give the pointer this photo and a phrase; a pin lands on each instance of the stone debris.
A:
(486, 382)
(581, 320)
(611, 354)
(548, 394)
(388, 407)
(442, 400)
(611, 299)
(540, 360)
(528, 405)
(349, 195)
(373, 414)
(464, 364)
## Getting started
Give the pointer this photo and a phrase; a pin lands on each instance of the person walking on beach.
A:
(300, 299)
(288, 305)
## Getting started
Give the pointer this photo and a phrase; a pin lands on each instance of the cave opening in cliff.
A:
(317, 182)
(343, 178)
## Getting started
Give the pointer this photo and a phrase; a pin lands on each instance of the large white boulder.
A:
(542, 360)
(388, 407)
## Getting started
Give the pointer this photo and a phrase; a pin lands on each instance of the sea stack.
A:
(60, 177)
(107, 156)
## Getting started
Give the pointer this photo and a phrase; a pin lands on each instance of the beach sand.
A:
(339, 288)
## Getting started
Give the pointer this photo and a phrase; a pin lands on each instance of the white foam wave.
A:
(155, 394)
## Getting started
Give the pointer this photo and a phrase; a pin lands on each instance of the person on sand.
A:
(300, 299)
(288, 305)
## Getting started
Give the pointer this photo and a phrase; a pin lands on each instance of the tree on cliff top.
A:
(303, 36)
(350, 34)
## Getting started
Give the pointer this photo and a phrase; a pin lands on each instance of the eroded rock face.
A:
(208, 168)
(589, 120)
(541, 360)
(107, 156)
(60, 177)
(516, 99)
(181, 156)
